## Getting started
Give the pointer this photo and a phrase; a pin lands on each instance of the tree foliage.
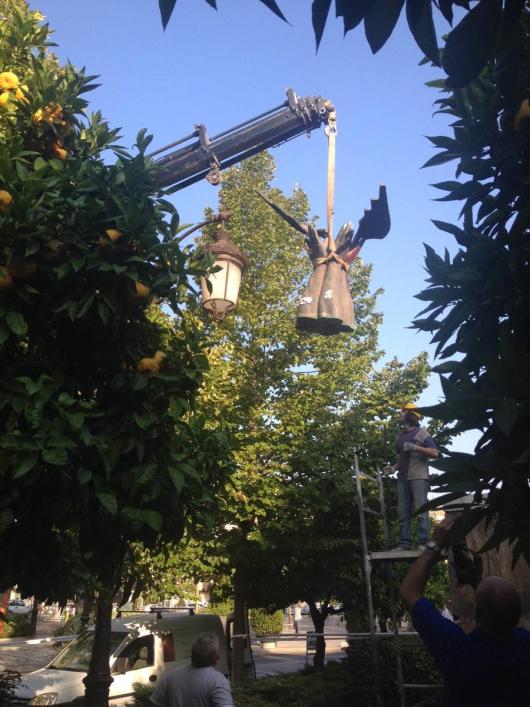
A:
(99, 441)
(84, 249)
(484, 31)
(478, 301)
(299, 407)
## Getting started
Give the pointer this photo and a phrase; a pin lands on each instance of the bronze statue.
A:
(326, 306)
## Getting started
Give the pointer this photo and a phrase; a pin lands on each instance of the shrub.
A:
(334, 686)
(142, 695)
(72, 625)
(264, 622)
(17, 626)
(345, 683)
(418, 667)
(221, 608)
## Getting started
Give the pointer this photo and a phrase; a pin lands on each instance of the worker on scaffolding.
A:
(415, 447)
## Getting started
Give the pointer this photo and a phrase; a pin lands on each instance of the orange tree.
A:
(99, 443)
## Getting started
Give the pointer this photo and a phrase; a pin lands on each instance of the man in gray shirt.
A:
(415, 447)
(198, 684)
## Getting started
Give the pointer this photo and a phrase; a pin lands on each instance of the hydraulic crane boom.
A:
(206, 157)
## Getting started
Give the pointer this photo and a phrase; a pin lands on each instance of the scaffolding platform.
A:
(394, 555)
(388, 557)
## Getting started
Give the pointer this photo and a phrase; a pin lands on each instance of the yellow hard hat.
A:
(411, 407)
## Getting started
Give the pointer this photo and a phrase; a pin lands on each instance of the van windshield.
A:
(76, 656)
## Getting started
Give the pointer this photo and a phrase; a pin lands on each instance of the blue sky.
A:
(221, 68)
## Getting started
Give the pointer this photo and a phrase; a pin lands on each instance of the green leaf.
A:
(419, 18)
(77, 263)
(40, 164)
(440, 158)
(352, 13)
(273, 6)
(153, 519)
(108, 502)
(84, 476)
(66, 400)
(103, 311)
(142, 422)
(75, 419)
(506, 415)
(319, 15)
(166, 9)
(56, 456)
(25, 465)
(31, 386)
(447, 367)
(85, 305)
(379, 21)
(56, 165)
(16, 322)
(471, 43)
(140, 382)
(177, 478)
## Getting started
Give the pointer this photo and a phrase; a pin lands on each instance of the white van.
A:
(142, 648)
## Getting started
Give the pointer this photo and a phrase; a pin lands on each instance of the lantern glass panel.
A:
(225, 288)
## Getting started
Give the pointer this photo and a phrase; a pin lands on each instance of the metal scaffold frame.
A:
(389, 557)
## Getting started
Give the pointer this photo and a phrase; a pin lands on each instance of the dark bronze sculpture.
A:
(326, 306)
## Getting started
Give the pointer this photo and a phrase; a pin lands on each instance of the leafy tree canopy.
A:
(485, 29)
(477, 302)
(299, 407)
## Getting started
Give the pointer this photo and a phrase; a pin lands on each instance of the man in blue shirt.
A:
(489, 667)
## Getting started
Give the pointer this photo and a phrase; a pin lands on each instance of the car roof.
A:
(168, 622)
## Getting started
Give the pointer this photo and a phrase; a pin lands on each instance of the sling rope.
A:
(331, 132)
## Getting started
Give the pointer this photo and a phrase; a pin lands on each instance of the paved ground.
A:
(291, 657)
(286, 656)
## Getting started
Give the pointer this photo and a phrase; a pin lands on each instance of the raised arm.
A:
(413, 586)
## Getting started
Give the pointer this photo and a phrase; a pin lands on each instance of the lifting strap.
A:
(331, 132)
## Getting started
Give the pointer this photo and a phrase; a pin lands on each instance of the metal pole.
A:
(391, 591)
(367, 575)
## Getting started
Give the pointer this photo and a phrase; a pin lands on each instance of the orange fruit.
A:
(6, 281)
(113, 234)
(54, 251)
(522, 116)
(5, 200)
(59, 152)
(24, 270)
(142, 291)
(8, 80)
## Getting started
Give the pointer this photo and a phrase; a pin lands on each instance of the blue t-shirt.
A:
(478, 669)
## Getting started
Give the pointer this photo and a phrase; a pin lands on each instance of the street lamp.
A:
(220, 288)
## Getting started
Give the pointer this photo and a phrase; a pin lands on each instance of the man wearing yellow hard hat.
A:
(415, 447)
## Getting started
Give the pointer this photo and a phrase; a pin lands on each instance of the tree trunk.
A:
(319, 621)
(34, 616)
(98, 679)
(239, 627)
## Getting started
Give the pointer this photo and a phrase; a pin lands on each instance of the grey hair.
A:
(205, 650)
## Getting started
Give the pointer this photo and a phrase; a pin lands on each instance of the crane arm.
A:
(206, 157)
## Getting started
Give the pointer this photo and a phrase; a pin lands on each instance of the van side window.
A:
(140, 653)
(168, 647)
